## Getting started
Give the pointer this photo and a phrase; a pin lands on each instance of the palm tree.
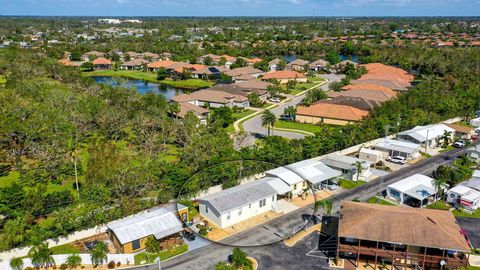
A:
(290, 111)
(359, 168)
(16, 263)
(73, 155)
(73, 261)
(99, 253)
(174, 108)
(41, 255)
(268, 120)
(446, 138)
(439, 183)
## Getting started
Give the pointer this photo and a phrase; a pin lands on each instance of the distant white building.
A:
(417, 190)
(426, 135)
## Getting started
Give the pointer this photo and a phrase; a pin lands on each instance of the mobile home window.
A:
(228, 215)
(239, 211)
(263, 202)
(136, 244)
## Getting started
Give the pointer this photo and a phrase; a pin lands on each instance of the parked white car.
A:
(397, 159)
(459, 144)
(274, 99)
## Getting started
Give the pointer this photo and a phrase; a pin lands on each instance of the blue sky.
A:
(242, 7)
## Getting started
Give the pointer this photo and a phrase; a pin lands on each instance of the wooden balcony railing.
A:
(412, 258)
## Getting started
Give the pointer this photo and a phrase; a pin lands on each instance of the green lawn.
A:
(348, 184)
(191, 84)
(440, 205)
(377, 200)
(470, 268)
(9, 179)
(449, 147)
(164, 255)
(236, 116)
(298, 126)
(300, 87)
(65, 249)
(460, 213)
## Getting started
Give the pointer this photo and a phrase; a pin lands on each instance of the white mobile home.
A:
(348, 166)
(296, 183)
(239, 203)
(391, 147)
(427, 135)
(417, 190)
(315, 172)
(370, 155)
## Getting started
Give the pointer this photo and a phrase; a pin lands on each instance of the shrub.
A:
(119, 264)
(111, 265)
(63, 266)
(203, 231)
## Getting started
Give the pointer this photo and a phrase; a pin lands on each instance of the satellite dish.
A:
(443, 263)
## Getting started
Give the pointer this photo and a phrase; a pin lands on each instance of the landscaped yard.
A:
(192, 84)
(377, 200)
(298, 126)
(460, 213)
(440, 205)
(237, 116)
(144, 257)
(348, 184)
(300, 87)
(65, 249)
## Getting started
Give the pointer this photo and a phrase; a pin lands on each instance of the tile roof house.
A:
(244, 73)
(318, 65)
(389, 234)
(390, 77)
(86, 56)
(284, 76)
(101, 63)
(200, 112)
(329, 114)
(213, 99)
(134, 64)
(239, 89)
(155, 66)
(297, 65)
(370, 87)
(377, 96)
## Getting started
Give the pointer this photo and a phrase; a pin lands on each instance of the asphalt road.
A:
(277, 255)
(254, 126)
(472, 226)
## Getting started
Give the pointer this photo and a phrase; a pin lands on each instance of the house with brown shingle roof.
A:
(325, 113)
(200, 112)
(462, 131)
(297, 65)
(284, 76)
(214, 99)
(370, 87)
(400, 236)
(377, 96)
(134, 64)
(86, 56)
(244, 73)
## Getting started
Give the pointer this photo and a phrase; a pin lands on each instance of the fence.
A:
(124, 259)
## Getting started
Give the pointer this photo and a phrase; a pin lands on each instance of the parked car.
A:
(274, 99)
(189, 235)
(332, 186)
(287, 117)
(459, 144)
(397, 160)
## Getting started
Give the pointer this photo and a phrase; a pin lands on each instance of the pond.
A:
(353, 58)
(142, 86)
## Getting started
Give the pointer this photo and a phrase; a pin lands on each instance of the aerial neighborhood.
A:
(240, 143)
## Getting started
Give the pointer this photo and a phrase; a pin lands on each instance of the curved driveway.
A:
(254, 125)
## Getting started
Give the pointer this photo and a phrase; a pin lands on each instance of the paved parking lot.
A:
(472, 226)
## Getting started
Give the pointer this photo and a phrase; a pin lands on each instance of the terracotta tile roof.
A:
(283, 74)
(67, 63)
(209, 96)
(373, 87)
(379, 96)
(398, 77)
(356, 102)
(237, 89)
(229, 58)
(159, 64)
(386, 83)
(406, 225)
(101, 61)
(298, 62)
(255, 84)
(460, 128)
(334, 111)
(253, 60)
